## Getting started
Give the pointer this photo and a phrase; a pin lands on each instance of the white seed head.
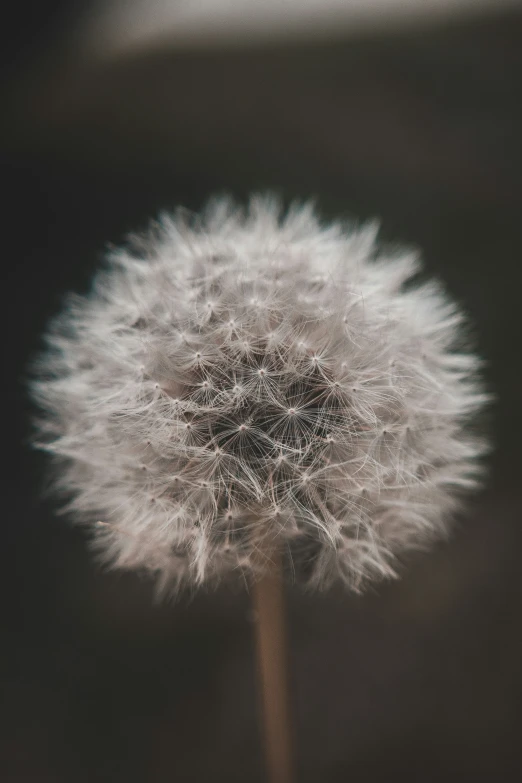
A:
(253, 379)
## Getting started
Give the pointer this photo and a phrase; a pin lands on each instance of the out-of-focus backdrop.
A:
(409, 111)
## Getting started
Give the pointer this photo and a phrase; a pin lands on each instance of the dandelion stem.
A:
(268, 601)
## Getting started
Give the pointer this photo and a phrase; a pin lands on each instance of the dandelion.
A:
(251, 380)
(249, 387)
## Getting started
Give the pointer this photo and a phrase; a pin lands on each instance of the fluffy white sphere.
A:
(249, 380)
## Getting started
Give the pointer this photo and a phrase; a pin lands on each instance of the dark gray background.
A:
(420, 680)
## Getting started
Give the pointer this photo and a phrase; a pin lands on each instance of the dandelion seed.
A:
(327, 409)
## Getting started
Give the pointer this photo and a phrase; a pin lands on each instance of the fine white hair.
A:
(250, 379)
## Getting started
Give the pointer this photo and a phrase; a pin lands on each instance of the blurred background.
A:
(408, 111)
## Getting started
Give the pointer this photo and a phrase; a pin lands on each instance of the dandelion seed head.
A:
(307, 397)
